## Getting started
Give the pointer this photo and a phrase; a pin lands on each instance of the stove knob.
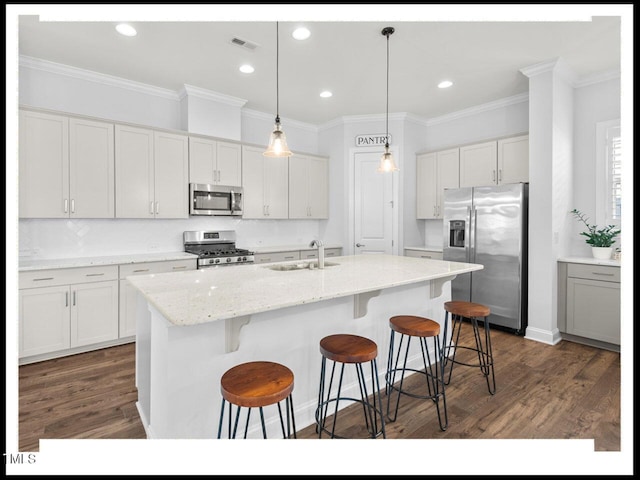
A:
(210, 261)
(228, 259)
(217, 260)
(244, 259)
(238, 259)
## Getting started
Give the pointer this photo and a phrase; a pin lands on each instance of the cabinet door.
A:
(229, 166)
(318, 187)
(298, 186)
(134, 172)
(448, 175)
(426, 185)
(43, 165)
(91, 169)
(513, 159)
(202, 160)
(94, 313)
(253, 171)
(44, 315)
(171, 153)
(478, 164)
(276, 187)
(593, 309)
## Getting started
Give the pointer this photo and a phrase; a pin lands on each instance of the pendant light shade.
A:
(387, 163)
(278, 140)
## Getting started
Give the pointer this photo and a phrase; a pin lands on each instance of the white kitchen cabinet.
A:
(128, 294)
(66, 167)
(513, 159)
(214, 162)
(495, 163)
(265, 182)
(308, 187)
(432, 254)
(276, 256)
(151, 173)
(313, 253)
(67, 308)
(434, 172)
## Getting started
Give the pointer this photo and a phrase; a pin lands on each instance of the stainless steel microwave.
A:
(214, 199)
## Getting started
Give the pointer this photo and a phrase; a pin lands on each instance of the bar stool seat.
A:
(346, 349)
(411, 326)
(257, 385)
(460, 310)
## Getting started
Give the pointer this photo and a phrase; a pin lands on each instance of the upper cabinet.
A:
(151, 173)
(434, 172)
(66, 167)
(214, 162)
(265, 181)
(308, 187)
(495, 163)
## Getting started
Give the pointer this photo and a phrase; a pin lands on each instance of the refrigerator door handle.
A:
(468, 240)
(472, 231)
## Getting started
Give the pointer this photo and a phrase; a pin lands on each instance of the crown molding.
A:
(485, 107)
(557, 65)
(190, 90)
(88, 75)
(249, 113)
(597, 78)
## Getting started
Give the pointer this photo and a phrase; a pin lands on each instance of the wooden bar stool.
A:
(257, 384)
(422, 328)
(460, 310)
(344, 349)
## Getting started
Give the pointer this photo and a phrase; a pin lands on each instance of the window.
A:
(608, 173)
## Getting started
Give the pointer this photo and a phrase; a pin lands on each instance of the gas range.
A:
(215, 248)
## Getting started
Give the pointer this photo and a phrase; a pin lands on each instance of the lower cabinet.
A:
(589, 301)
(433, 254)
(294, 255)
(77, 307)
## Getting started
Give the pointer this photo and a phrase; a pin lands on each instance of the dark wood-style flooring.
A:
(567, 391)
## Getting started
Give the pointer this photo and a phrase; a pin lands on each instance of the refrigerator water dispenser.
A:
(456, 233)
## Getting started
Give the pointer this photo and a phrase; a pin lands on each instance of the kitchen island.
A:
(193, 326)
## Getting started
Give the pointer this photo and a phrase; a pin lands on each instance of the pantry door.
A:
(374, 217)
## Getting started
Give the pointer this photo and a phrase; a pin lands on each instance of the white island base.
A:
(178, 373)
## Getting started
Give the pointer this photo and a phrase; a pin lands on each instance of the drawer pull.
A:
(141, 270)
(291, 257)
(605, 274)
(94, 274)
(180, 268)
(41, 279)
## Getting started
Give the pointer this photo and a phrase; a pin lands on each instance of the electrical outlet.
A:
(153, 246)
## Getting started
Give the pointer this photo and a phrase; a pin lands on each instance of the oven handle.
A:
(234, 207)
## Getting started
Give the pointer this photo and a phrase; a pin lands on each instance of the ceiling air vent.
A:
(244, 43)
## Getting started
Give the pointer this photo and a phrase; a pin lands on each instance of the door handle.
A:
(360, 245)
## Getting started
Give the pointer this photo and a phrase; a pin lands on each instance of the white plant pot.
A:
(601, 253)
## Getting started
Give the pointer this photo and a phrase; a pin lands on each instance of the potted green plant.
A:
(600, 239)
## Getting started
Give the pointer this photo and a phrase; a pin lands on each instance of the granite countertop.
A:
(206, 295)
(425, 249)
(51, 263)
(590, 261)
(287, 248)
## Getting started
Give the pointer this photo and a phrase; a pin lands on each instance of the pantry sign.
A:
(372, 140)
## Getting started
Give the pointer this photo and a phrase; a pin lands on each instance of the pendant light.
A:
(387, 164)
(277, 141)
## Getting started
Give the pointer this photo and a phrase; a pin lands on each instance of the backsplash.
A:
(60, 238)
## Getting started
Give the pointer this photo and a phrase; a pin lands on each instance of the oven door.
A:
(215, 200)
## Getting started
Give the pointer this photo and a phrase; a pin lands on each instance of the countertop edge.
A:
(61, 263)
(590, 261)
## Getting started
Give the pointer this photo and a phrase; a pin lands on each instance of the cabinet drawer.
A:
(594, 272)
(147, 268)
(276, 257)
(67, 276)
(332, 252)
(423, 254)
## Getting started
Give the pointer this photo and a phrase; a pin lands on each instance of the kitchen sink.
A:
(286, 267)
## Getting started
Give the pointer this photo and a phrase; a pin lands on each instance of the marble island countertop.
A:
(206, 295)
(73, 262)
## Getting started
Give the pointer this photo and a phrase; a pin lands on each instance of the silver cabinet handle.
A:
(151, 208)
(360, 245)
(41, 279)
(604, 274)
(500, 175)
(94, 274)
(289, 258)
(73, 206)
(66, 299)
(157, 208)
(74, 297)
(493, 175)
(66, 205)
(180, 268)
(141, 270)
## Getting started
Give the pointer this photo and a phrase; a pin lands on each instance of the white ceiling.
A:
(482, 58)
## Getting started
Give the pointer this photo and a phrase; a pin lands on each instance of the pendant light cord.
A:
(277, 75)
(387, 122)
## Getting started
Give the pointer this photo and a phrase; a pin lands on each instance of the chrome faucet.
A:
(320, 245)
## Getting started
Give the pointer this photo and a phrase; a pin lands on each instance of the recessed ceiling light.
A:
(301, 33)
(246, 68)
(126, 30)
(326, 94)
(445, 84)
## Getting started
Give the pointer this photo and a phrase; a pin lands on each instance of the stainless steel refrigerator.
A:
(488, 225)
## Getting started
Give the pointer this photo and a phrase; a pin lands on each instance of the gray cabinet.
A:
(589, 302)
(287, 256)
(432, 254)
